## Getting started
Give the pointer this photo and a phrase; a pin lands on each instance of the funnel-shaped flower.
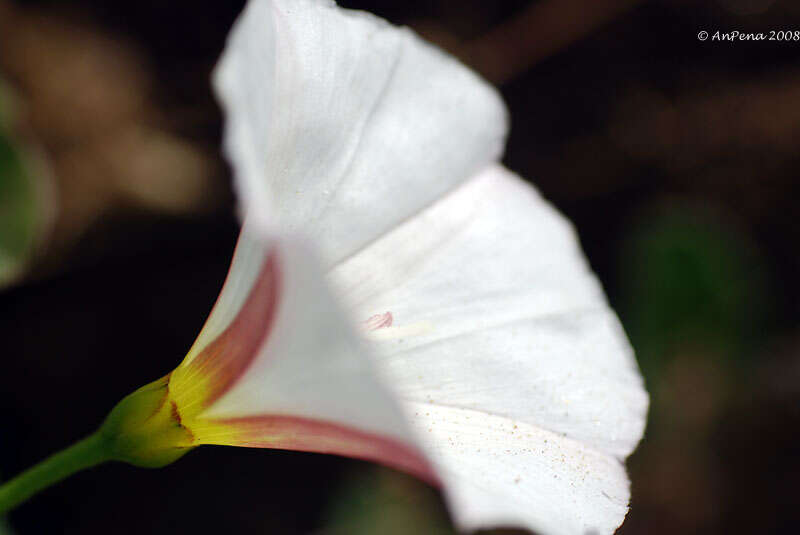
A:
(276, 366)
(484, 320)
(487, 362)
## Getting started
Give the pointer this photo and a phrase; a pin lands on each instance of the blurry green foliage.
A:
(17, 212)
(20, 202)
(4, 529)
(389, 503)
(691, 282)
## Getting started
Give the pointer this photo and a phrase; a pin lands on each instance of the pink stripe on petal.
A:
(318, 436)
(224, 360)
(379, 321)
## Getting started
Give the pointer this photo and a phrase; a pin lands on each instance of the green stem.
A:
(86, 453)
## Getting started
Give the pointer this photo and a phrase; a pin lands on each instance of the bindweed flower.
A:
(396, 295)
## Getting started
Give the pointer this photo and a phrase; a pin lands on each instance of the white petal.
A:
(495, 311)
(342, 126)
(311, 367)
(500, 472)
(246, 265)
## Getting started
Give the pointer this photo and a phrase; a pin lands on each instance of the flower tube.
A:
(482, 316)
(396, 294)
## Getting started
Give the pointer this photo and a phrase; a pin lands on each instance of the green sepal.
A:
(145, 428)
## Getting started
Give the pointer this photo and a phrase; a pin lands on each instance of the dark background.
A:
(676, 159)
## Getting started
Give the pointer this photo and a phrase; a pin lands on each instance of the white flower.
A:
(487, 359)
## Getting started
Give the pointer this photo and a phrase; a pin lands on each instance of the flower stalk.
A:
(144, 429)
(85, 453)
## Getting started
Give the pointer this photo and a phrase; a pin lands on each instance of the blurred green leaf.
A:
(23, 210)
(691, 281)
(386, 502)
(4, 529)
(18, 211)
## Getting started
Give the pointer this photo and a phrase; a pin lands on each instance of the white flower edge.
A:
(515, 372)
(332, 112)
(525, 412)
(495, 317)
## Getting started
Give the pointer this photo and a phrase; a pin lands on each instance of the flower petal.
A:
(223, 359)
(247, 267)
(500, 472)
(331, 112)
(496, 314)
(321, 436)
(307, 384)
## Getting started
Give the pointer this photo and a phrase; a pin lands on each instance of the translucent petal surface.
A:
(331, 112)
(501, 472)
(310, 385)
(248, 260)
(479, 305)
(496, 318)
(516, 377)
